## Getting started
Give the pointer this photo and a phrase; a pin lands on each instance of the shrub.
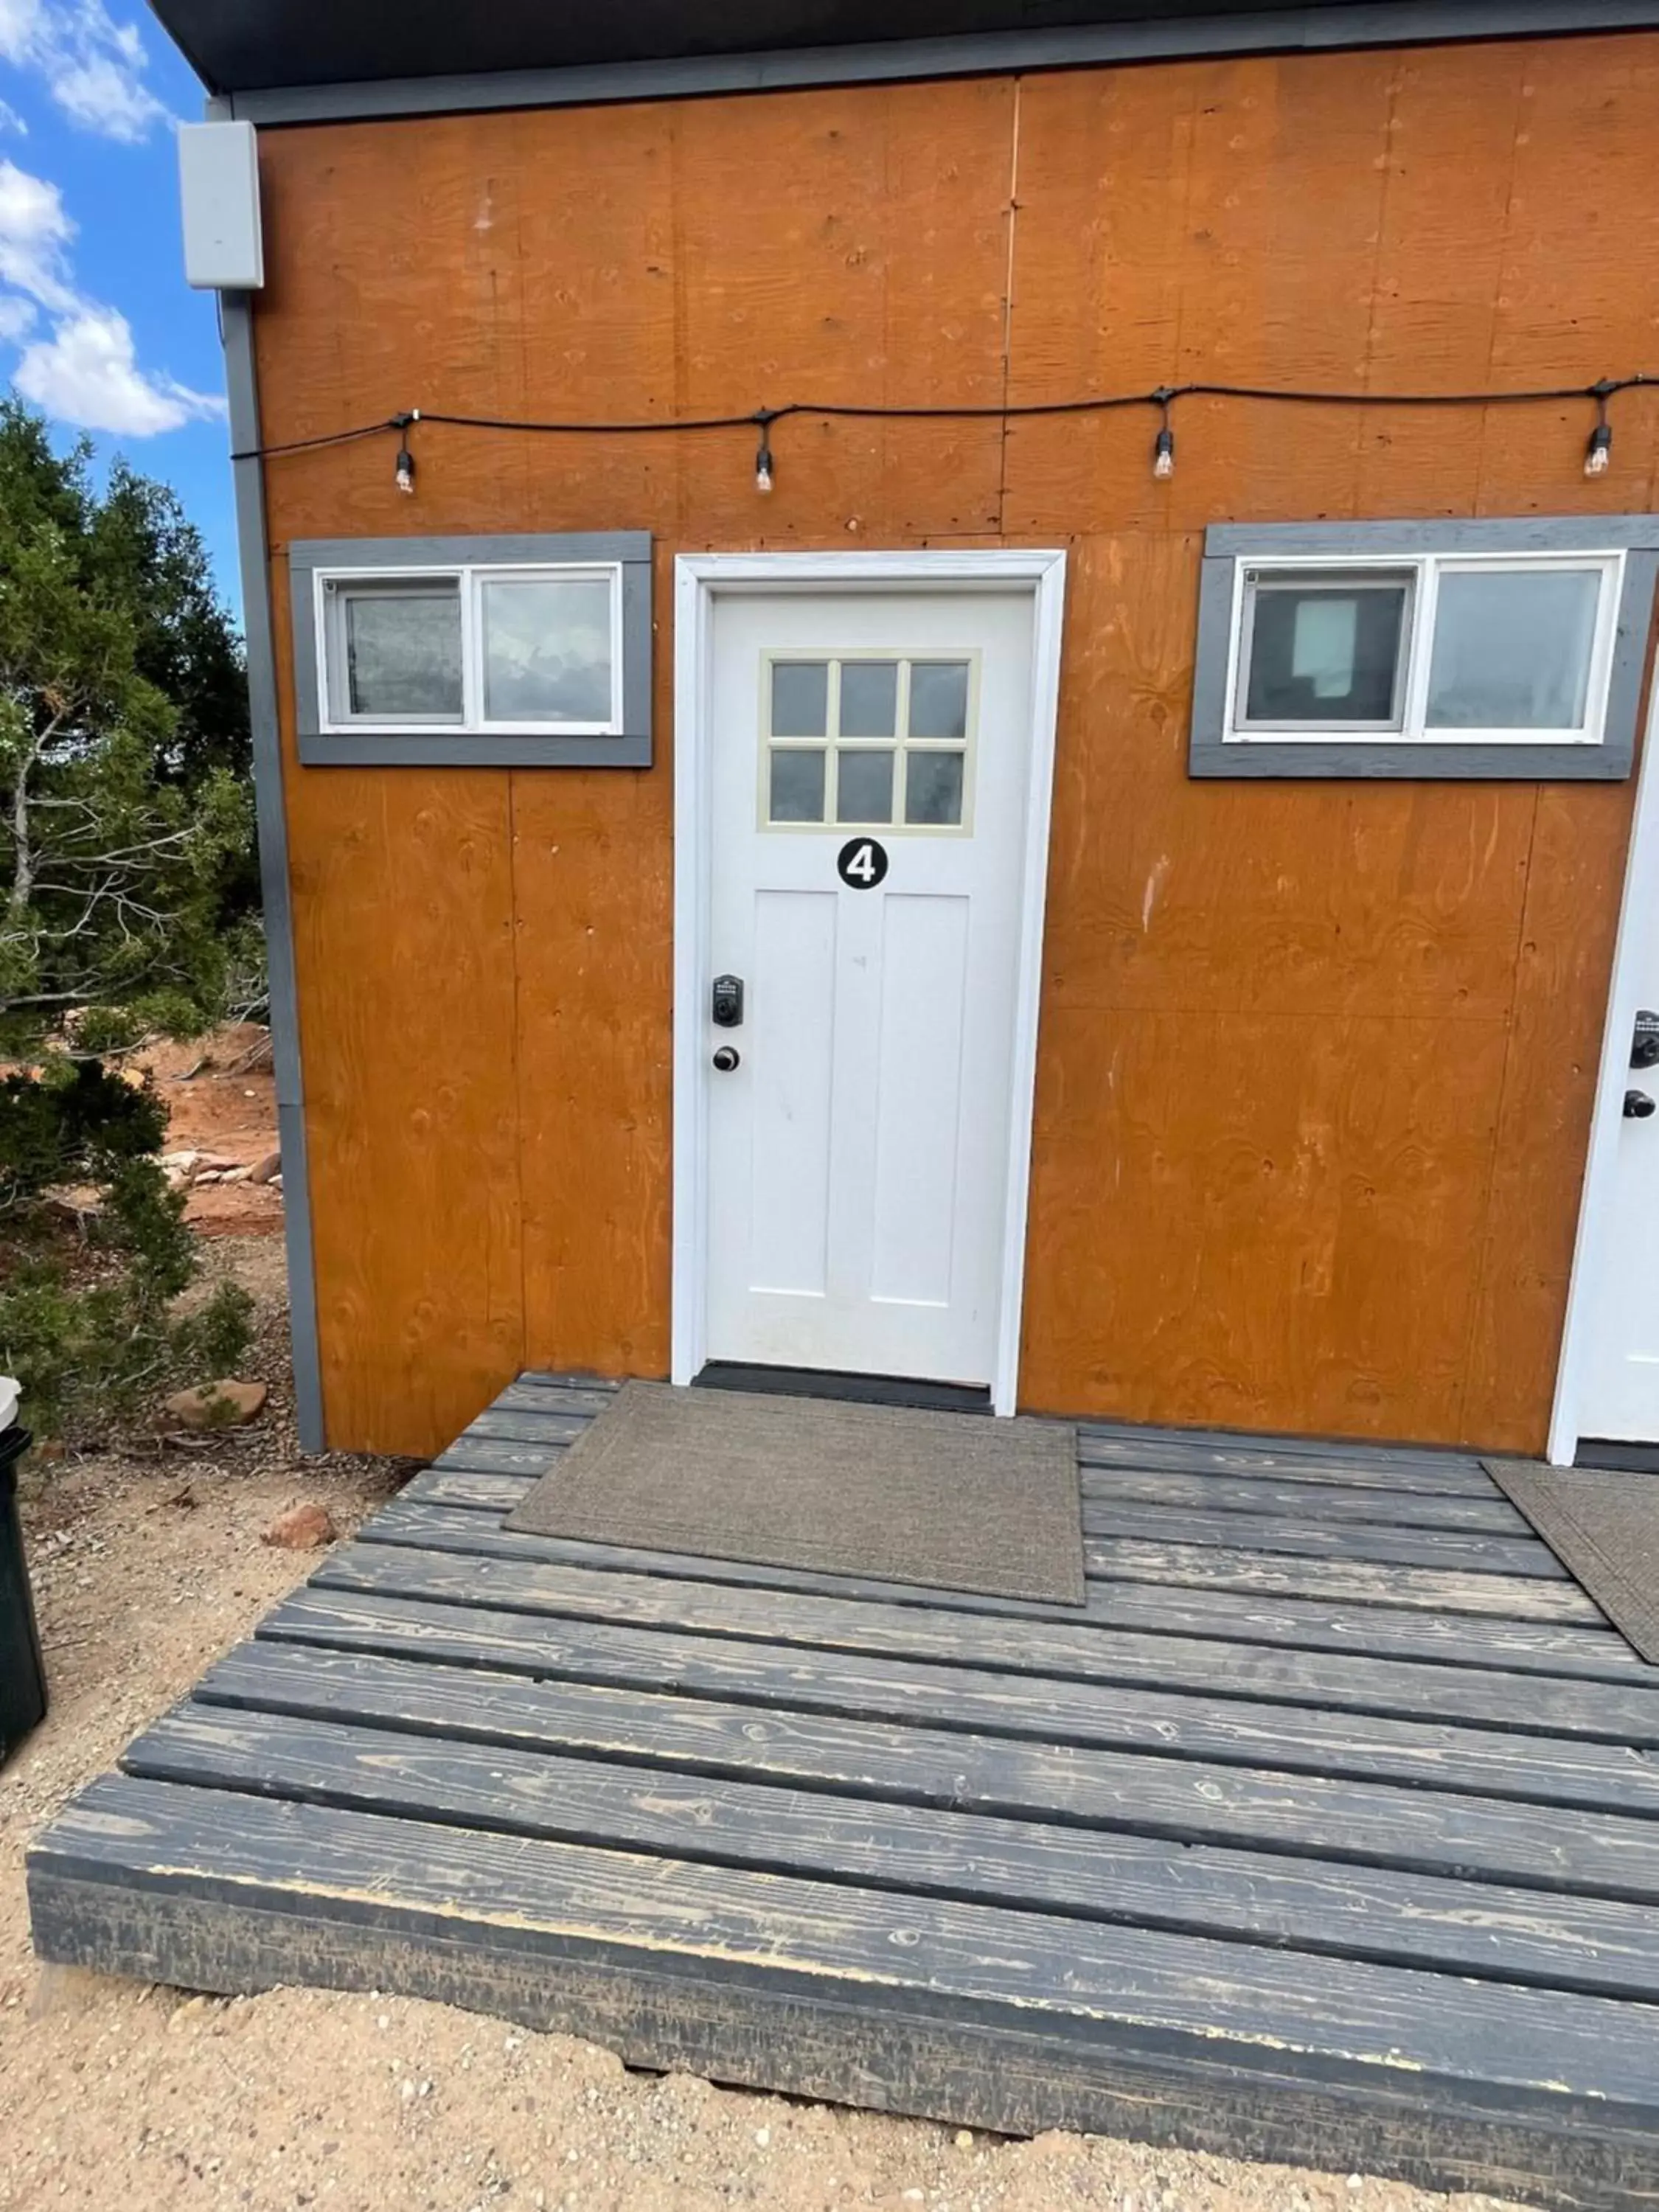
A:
(88, 1329)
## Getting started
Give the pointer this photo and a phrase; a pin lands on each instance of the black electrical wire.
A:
(1162, 398)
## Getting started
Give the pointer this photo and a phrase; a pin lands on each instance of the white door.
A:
(1620, 1396)
(870, 780)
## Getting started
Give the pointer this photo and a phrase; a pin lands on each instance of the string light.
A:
(403, 474)
(1164, 445)
(763, 456)
(1598, 455)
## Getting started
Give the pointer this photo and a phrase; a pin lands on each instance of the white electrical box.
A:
(219, 180)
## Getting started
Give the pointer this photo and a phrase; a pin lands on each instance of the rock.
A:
(214, 1405)
(237, 1174)
(301, 1528)
(267, 1170)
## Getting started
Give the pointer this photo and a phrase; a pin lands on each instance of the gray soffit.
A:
(299, 61)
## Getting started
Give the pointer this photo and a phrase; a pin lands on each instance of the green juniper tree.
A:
(128, 901)
(125, 833)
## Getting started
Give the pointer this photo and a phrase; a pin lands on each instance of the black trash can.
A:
(22, 1675)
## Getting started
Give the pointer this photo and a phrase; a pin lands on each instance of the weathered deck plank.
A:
(1353, 1582)
(1596, 1652)
(1521, 1936)
(1186, 1800)
(1078, 1971)
(1332, 1508)
(1436, 1474)
(1283, 1536)
(1624, 1711)
(1331, 1504)
(374, 1600)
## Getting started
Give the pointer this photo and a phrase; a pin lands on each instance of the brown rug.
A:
(1604, 1528)
(950, 1501)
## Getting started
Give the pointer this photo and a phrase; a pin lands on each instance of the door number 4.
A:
(861, 863)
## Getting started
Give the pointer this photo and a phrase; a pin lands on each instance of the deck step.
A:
(970, 2012)
(1593, 1945)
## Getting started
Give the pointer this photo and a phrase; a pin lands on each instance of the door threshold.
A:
(1617, 1458)
(862, 1389)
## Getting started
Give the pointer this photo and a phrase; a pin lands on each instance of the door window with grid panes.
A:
(866, 742)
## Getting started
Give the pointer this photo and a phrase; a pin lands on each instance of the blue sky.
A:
(97, 327)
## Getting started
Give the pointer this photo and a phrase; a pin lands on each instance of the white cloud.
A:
(35, 235)
(85, 370)
(88, 372)
(92, 66)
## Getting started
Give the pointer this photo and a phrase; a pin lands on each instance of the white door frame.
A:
(1634, 955)
(699, 579)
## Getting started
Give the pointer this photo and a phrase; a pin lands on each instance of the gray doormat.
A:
(952, 1501)
(1604, 1528)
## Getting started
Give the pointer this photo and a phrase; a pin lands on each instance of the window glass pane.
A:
(1323, 653)
(933, 789)
(797, 787)
(800, 698)
(864, 786)
(403, 650)
(1512, 650)
(869, 698)
(938, 699)
(546, 649)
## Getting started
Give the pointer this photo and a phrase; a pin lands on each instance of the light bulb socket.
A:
(764, 466)
(405, 471)
(1598, 455)
(1163, 454)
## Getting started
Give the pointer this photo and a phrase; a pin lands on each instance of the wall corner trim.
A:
(253, 551)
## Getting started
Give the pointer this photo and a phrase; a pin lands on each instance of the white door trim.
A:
(699, 578)
(1632, 957)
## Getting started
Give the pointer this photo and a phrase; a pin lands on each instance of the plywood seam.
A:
(1009, 281)
(1503, 268)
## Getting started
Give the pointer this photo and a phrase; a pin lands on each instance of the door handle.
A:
(1638, 1105)
(728, 1057)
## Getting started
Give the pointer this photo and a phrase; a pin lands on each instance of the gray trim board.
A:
(242, 388)
(1078, 46)
(450, 748)
(1361, 758)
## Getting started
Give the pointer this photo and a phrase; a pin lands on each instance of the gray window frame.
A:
(1230, 547)
(424, 743)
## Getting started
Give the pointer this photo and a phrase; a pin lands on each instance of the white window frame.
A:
(1426, 570)
(901, 746)
(330, 584)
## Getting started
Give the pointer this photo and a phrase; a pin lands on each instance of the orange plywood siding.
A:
(402, 890)
(1316, 1059)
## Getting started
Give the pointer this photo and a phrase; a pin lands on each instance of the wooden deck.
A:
(1327, 1831)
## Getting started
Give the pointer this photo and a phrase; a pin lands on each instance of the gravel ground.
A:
(146, 1567)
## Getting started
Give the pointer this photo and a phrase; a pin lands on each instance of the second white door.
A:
(872, 757)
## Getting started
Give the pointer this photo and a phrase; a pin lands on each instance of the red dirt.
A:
(218, 1104)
